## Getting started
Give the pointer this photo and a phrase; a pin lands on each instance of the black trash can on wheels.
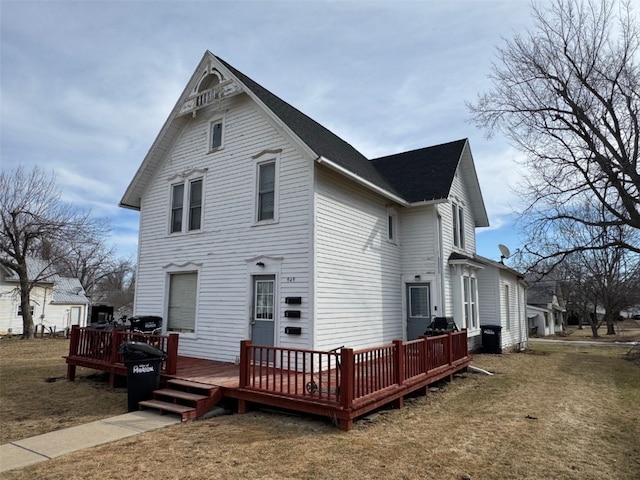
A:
(491, 338)
(143, 364)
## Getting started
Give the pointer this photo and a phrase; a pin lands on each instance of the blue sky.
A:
(87, 85)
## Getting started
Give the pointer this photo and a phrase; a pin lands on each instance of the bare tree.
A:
(567, 93)
(116, 287)
(597, 272)
(33, 220)
(87, 257)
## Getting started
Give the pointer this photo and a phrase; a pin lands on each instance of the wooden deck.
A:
(340, 385)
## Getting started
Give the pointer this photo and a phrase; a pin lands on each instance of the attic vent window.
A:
(209, 81)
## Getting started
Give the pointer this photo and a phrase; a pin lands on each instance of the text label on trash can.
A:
(145, 368)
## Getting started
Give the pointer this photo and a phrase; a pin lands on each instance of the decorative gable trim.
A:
(187, 173)
(181, 266)
(277, 151)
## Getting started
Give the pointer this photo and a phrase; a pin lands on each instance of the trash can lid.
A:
(140, 350)
(492, 327)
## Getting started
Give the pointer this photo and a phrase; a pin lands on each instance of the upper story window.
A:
(216, 129)
(266, 191)
(392, 225)
(267, 185)
(186, 206)
(457, 213)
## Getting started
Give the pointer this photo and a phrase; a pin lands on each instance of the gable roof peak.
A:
(397, 180)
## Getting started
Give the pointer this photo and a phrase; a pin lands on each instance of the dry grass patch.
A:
(565, 413)
(626, 331)
(36, 398)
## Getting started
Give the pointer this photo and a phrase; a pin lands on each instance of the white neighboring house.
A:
(56, 302)
(546, 309)
(258, 223)
(502, 301)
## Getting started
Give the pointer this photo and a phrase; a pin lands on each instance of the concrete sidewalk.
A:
(40, 448)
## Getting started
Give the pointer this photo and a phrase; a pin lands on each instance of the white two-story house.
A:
(258, 223)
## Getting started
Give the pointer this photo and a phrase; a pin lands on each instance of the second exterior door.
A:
(418, 309)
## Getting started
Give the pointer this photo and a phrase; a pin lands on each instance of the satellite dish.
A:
(504, 251)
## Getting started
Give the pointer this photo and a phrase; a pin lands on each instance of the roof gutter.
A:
(422, 203)
(366, 183)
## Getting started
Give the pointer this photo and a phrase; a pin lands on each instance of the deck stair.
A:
(189, 400)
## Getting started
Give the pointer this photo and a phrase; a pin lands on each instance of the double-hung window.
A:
(457, 213)
(470, 300)
(266, 191)
(186, 206)
(266, 187)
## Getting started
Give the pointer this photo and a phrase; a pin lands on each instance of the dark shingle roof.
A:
(424, 174)
(321, 140)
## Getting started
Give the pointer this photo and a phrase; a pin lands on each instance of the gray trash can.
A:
(143, 364)
(491, 338)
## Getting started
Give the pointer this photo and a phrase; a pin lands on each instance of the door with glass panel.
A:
(263, 311)
(418, 309)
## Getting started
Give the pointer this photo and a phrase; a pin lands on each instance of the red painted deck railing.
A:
(101, 346)
(292, 372)
(351, 375)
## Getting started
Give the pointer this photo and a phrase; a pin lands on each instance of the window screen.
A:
(182, 302)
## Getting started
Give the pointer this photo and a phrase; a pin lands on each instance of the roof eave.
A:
(130, 207)
(423, 203)
(366, 183)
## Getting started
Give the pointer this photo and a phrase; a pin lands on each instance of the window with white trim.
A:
(181, 311)
(457, 213)
(266, 192)
(216, 137)
(470, 302)
(186, 206)
(507, 306)
(392, 225)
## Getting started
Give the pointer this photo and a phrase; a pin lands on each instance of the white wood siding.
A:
(514, 328)
(493, 305)
(229, 236)
(418, 230)
(358, 290)
(452, 287)
(489, 296)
